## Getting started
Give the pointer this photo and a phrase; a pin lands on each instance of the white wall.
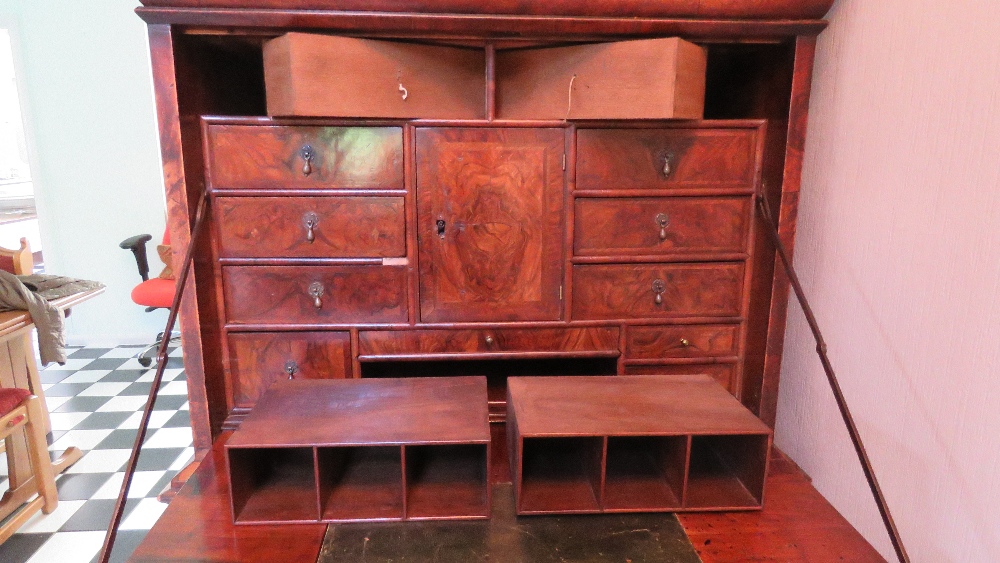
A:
(899, 250)
(86, 92)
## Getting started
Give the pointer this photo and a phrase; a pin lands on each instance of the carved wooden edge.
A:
(179, 223)
(182, 477)
(563, 28)
(758, 9)
(798, 117)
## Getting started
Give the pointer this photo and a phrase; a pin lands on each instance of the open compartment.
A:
(446, 481)
(361, 483)
(727, 472)
(560, 475)
(273, 485)
(645, 473)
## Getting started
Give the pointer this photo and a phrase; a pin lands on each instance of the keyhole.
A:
(440, 227)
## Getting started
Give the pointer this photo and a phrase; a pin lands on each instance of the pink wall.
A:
(899, 252)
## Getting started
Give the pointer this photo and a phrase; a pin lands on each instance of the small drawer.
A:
(620, 159)
(725, 374)
(635, 291)
(310, 227)
(579, 341)
(314, 294)
(660, 225)
(302, 157)
(681, 341)
(258, 359)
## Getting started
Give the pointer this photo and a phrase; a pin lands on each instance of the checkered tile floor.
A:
(96, 401)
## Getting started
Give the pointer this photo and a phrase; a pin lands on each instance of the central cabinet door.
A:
(490, 223)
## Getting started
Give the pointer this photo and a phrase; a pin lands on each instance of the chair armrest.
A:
(137, 245)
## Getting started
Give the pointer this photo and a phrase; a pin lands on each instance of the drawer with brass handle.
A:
(681, 341)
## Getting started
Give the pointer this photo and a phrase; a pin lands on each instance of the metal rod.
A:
(161, 364)
(845, 412)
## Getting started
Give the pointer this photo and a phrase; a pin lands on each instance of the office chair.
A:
(151, 293)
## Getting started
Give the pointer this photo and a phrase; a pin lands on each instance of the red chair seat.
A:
(11, 397)
(154, 292)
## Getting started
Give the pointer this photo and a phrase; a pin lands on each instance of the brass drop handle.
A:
(307, 153)
(316, 292)
(489, 340)
(310, 220)
(685, 342)
(658, 288)
(291, 368)
(668, 164)
(662, 220)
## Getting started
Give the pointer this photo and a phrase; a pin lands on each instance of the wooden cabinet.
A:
(370, 246)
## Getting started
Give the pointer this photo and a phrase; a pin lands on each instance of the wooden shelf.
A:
(635, 444)
(363, 450)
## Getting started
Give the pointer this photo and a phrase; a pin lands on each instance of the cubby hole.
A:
(727, 472)
(645, 472)
(361, 483)
(273, 485)
(446, 481)
(561, 474)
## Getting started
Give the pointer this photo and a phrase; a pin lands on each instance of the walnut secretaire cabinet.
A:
(383, 247)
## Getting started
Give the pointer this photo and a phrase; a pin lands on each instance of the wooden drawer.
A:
(288, 294)
(272, 157)
(660, 225)
(313, 227)
(623, 291)
(574, 341)
(258, 359)
(614, 159)
(725, 374)
(681, 341)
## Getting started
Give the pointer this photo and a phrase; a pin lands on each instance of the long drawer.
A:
(660, 225)
(304, 157)
(314, 227)
(314, 294)
(681, 341)
(572, 341)
(258, 359)
(615, 291)
(611, 159)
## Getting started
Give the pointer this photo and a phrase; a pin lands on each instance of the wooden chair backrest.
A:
(19, 262)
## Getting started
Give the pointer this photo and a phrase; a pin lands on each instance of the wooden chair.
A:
(20, 409)
(19, 262)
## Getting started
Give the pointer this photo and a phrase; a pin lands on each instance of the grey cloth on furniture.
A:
(15, 296)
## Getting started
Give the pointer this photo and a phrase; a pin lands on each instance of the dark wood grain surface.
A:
(628, 290)
(258, 359)
(368, 411)
(487, 341)
(660, 225)
(497, 194)
(282, 294)
(777, 9)
(612, 159)
(279, 227)
(273, 157)
(681, 341)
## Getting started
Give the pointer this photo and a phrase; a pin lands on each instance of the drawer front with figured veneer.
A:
(613, 159)
(623, 291)
(258, 359)
(681, 341)
(304, 157)
(571, 342)
(310, 227)
(660, 225)
(314, 294)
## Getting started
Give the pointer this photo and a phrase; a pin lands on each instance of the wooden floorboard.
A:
(796, 525)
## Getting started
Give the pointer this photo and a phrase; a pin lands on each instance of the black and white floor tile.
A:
(96, 402)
